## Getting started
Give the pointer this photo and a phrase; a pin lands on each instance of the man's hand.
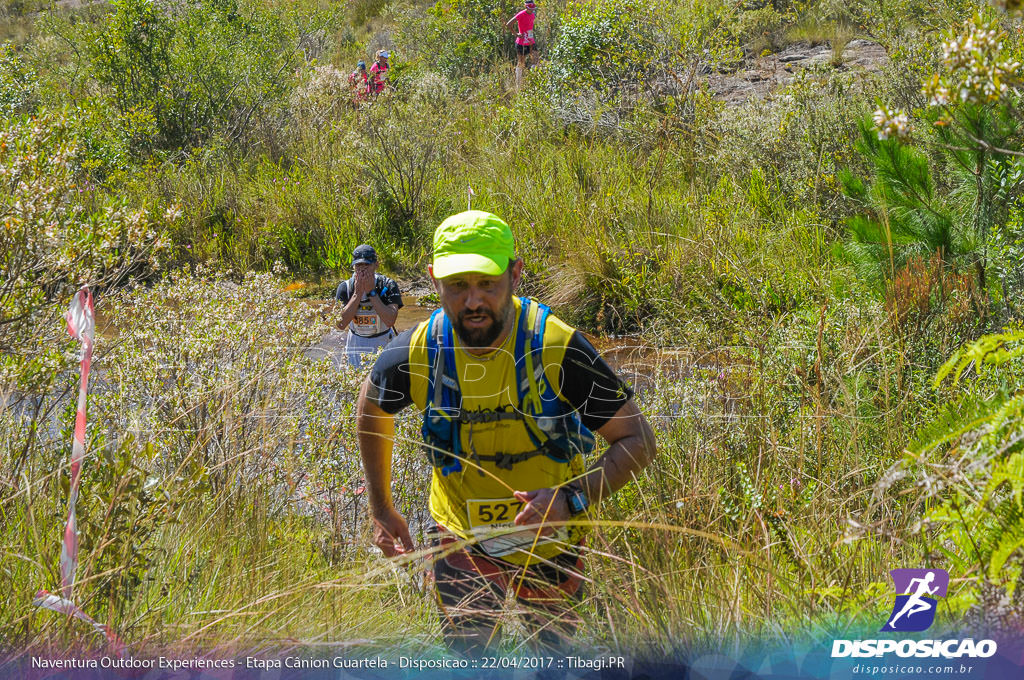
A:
(542, 505)
(364, 284)
(391, 532)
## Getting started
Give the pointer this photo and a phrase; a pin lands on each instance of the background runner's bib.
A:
(367, 321)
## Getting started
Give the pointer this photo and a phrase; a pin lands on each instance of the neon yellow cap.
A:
(472, 241)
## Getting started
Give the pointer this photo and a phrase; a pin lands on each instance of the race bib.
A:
(529, 37)
(366, 322)
(492, 522)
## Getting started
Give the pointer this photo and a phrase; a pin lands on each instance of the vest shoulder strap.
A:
(347, 288)
(443, 384)
(532, 385)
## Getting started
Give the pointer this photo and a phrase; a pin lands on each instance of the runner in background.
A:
(379, 73)
(358, 82)
(522, 25)
(371, 304)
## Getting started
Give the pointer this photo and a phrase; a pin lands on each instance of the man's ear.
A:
(437, 284)
(516, 269)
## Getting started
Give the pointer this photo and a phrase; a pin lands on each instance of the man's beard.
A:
(482, 337)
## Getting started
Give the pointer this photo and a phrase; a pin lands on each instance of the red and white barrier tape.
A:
(81, 327)
(61, 605)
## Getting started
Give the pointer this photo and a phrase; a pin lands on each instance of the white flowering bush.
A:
(319, 98)
(59, 233)
(978, 68)
(891, 123)
(222, 380)
(213, 420)
(979, 73)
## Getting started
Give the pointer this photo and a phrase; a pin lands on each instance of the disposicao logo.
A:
(917, 593)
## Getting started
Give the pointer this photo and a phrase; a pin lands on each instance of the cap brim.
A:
(363, 261)
(466, 263)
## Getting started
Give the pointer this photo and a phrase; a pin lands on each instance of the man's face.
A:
(365, 268)
(479, 305)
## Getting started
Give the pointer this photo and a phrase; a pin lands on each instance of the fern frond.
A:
(990, 349)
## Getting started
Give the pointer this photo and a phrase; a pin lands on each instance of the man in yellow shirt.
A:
(510, 395)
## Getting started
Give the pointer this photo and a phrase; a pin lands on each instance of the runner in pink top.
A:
(378, 73)
(524, 37)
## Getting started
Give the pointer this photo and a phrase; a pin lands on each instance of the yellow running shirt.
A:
(476, 502)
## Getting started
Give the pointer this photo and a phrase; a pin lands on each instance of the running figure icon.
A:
(914, 603)
(917, 594)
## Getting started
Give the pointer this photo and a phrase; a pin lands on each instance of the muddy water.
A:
(640, 362)
(412, 313)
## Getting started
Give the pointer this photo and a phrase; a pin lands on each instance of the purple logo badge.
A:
(917, 591)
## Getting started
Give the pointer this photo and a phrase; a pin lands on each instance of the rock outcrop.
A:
(764, 74)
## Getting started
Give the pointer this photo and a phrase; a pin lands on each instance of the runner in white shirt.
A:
(371, 304)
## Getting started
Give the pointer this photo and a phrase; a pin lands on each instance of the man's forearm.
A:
(388, 314)
(348, 312)
(621, 462)
(376, 432)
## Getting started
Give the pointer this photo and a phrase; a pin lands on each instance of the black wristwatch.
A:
(576, 498)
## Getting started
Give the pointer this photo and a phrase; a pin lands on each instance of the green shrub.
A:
(615, 64)
(17, 83)
(177, 77)
(606, 44)
(400, 152)
(461, 38)
(908, 216)
(1008, 262)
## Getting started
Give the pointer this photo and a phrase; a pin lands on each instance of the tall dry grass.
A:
(221, 506)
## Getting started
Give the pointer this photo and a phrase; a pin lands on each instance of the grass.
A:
(738, 531)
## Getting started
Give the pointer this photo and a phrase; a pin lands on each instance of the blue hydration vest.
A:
(554, 427)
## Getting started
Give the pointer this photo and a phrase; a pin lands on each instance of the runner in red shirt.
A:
(357, 81)
(522, 25)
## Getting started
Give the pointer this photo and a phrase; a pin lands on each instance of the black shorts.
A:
(558, 579)
(471, 589)
(523, 49)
